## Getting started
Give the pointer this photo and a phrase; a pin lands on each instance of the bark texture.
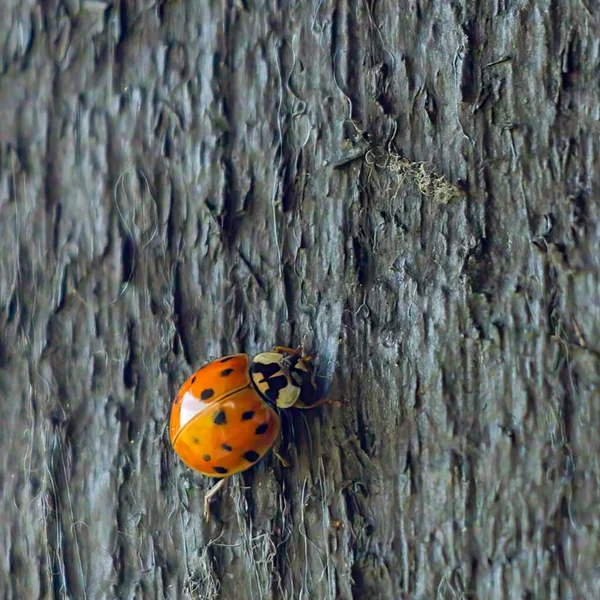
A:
(408, 187)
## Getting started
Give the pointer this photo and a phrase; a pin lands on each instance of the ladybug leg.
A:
(319, 402)
(210, 495)
(326, 401)
(275, 449)
(284, 462)
(292, 351)
(284, 349)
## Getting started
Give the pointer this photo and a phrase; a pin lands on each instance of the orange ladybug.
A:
(224, 418)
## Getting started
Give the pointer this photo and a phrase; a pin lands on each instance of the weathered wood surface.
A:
(184, 179)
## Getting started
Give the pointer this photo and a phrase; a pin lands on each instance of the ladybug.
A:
(224, 418)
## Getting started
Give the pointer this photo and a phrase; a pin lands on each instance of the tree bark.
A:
(407, 188)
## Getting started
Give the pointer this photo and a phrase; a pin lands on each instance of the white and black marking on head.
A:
(284, 378)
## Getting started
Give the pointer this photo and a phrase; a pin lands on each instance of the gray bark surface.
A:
(408, 188)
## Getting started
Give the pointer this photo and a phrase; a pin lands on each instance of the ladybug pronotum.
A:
(224, 418)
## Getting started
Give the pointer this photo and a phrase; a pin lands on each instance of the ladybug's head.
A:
(285, 378)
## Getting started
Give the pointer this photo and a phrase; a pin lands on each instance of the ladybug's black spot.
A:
(276, 384)
(196, 440)
(219, 418)
(226, 359)
(193, 379)
(251, 456)
(246, 416)
(261, 428)
(206, 457)
(206, 394)
(266, 370)
(221, 470)
(226, 372)
(226, 447)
